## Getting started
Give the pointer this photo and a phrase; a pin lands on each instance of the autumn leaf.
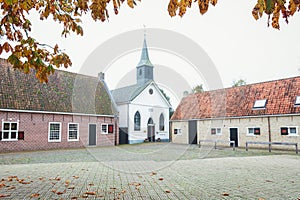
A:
(168, 191)
(35, 195)
(4, 195)
(225, 194)
(161, 179)
(90, 193)
(76, 177)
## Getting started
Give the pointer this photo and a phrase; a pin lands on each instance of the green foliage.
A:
(239, 82)
(198, 88)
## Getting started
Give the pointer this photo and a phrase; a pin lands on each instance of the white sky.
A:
(239, 46)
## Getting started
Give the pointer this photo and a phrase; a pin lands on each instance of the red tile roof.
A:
(65, 92)
(239, 101)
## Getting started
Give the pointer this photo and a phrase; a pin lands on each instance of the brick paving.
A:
(150, 171)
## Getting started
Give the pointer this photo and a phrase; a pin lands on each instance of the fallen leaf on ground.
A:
(168, 191)
(123, 191)
(54, 191)
(2, 185)
(76, 177)
(153, 173)
(4, 195)
(91, 184)
(90, 193)
(225, 194)
(74, 198)
(161, 179)
(35, 195)
(269, 181)
(11, 188)
(71, 187)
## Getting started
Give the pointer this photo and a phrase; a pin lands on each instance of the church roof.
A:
(145, 56)
(127, 94)
(65, 92)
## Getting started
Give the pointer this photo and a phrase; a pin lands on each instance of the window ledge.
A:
(54, 140)
(9, 140)
(250, 135)
(73, 140)
(294, 135)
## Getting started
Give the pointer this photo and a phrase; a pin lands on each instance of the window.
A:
(137, 121)
(260, 104)
(54, 132)
(107, 128)
(216, 131)
(9, 131)
(253, 131)
(289, 130)
(161, 122)
(73, 132)
(150, 91)
(177, 131)
(297, 102)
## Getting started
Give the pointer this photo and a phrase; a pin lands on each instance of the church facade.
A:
(143, 109)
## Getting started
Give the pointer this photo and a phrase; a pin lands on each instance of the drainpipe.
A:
(269, 131)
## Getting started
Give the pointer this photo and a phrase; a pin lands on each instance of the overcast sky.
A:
(239, 46)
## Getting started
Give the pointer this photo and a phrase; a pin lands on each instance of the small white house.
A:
(143, 109)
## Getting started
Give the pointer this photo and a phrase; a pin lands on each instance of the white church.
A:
(143, 109)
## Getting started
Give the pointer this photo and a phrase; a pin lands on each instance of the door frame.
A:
(153, 127)
(89, 134)
(238, 141)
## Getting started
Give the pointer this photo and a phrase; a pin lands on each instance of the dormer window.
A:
(297, 102)
(260, 104)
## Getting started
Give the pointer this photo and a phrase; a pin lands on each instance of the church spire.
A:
(145, 56)
(144, 69)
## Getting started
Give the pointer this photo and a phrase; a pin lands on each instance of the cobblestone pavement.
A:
(150, 171)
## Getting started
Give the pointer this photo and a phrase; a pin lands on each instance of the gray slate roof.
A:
(127, 94)
(65, 92)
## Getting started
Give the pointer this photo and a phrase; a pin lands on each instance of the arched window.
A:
(137, 121)
(161, 122)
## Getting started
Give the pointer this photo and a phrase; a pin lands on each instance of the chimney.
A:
(101, 76)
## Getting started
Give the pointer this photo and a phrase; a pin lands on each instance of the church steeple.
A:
(144, 69)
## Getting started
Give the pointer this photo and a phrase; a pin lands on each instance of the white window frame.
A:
(297, 101)
(252, 134)
(179, 131)
(106, 132)
(59, 140)
(107, 125)
(289, 130)
(260, 104)
(71, 140)
(9, 131)
(217, 129)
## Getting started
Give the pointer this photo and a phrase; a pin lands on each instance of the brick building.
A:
(70, 111)
(263, 112)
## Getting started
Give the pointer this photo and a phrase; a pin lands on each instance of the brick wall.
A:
(35, 127)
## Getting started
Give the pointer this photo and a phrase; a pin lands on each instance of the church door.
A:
(151, 130)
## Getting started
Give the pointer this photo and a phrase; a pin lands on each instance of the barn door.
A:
(92, 134)
(193, 132)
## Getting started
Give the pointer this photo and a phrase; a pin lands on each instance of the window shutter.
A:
(21, 135)
(110, 128)
(0, 135)
(256, 131)
(284, 131)
(175, 131)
